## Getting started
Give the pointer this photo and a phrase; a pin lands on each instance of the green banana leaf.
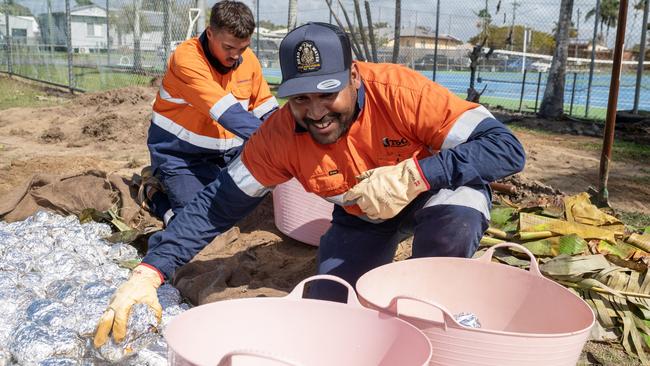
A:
(551, 247)
(500, 216)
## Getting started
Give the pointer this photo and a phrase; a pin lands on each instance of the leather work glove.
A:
(140, 288)
(383, 192)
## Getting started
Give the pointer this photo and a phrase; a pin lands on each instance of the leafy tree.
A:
(573, 31)
(485, 20)
(639, 5)
(12, 8)
(269, 25)
(540, 42)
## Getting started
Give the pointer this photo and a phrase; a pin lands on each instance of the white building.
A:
(21, 28)
(89, 33)
(87, 25)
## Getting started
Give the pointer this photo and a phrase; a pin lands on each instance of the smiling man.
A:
(212, 97)
(396, 153)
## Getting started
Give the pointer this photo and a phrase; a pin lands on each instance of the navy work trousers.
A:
(445, 224)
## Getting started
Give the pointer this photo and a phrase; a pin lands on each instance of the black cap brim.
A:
(330, 83)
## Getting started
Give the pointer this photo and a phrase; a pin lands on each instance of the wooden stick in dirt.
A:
(503, 188)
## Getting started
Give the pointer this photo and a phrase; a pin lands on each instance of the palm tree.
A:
(553, 103)
(608, 15)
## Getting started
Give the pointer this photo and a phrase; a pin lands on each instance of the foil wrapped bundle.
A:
(56, 279)
(141, 331)
(468, 320)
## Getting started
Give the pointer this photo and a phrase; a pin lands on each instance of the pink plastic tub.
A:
(293, 331)
(525, 318)
(300, 215)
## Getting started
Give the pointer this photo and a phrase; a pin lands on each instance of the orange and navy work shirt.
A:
(203, 108)
(402, 114)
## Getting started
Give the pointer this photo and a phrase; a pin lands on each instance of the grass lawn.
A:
(14, 93)
(89, 79)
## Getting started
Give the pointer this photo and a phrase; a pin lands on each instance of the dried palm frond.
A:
(594, 255)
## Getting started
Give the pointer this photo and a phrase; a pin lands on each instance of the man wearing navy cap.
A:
(397, 153)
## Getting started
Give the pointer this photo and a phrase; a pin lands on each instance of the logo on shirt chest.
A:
(388, 142)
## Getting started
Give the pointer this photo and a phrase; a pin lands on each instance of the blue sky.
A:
(457, 18)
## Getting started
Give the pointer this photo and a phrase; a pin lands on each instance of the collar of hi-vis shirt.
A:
(221, 68)
(361, 99)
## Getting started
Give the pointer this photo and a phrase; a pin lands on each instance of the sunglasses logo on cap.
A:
(307, 57)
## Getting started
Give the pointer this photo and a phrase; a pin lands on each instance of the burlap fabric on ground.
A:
(71, 194)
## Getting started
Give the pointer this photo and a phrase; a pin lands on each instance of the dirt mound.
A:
(113, 126)
(256, 260)
(129, 95)
(52, 135)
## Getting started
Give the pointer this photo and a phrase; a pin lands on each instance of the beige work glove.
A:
(383, 192)
(140, 288)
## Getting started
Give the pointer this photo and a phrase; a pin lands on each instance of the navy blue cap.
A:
(314, 58)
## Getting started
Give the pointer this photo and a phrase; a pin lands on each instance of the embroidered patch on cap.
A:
(307, 57)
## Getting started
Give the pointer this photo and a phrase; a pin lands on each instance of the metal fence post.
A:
(573, 93)
(165, 34)
(639, 69)
(68, 29)
(108, 36)
(8, 40)
(257, 17)
(593, 57)
(435, 47)
(523, 88)
(539, 82)
(200, 24)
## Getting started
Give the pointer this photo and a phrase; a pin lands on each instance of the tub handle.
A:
(226, 360)
(534, 267)
(297, 291)
(449, 319)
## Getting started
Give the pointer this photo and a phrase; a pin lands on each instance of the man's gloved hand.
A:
(140, 288)
(383, 192)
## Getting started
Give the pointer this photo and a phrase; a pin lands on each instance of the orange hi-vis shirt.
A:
(402, 114)
(205, 108)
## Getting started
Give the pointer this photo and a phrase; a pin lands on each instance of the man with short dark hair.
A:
(212, 97)
(397, 153)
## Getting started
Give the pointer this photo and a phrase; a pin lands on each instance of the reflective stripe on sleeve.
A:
(222, 105)
(462, 196)
(245, 180)
(465, 125)
(265, 107)
(244, 103)
(164, 94)
(195, 139)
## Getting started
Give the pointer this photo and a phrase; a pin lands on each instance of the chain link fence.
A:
(81, 45)
(84, 47)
